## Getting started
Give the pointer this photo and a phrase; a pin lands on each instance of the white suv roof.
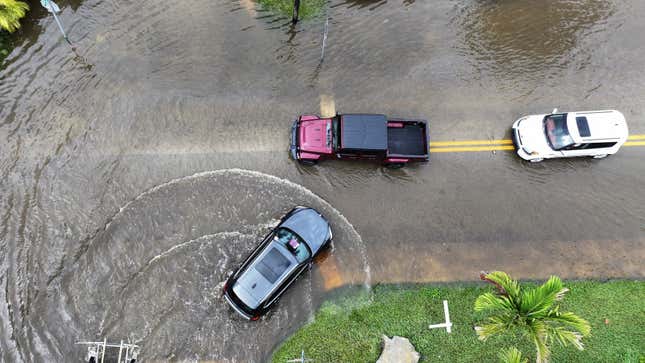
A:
(596, 126)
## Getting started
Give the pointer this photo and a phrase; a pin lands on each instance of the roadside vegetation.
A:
(349, 329)
(11, 11)
(308, 8)
(534, 312)
(6, 45)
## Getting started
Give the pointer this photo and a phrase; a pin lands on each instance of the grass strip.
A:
(349, 328)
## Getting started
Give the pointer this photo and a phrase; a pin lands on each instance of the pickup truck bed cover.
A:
(407, 140)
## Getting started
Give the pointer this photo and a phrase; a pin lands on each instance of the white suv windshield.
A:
(555, 127)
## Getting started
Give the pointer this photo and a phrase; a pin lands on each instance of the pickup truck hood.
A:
(313, 136)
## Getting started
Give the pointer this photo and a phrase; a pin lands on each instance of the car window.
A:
(599, 145)
(273, 265)
(583, 126)
(555, 127)
(590, 145)
(293, 243)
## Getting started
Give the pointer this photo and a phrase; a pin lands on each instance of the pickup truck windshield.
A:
(555, 127)
(335, 135)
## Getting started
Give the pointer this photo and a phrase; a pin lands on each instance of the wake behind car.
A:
(570, 134)
(282, 256)
(394, 142)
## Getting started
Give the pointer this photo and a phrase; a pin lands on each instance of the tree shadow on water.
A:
(521, 37)
(32, 26)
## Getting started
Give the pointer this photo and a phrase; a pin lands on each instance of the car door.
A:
(589, 149)
(575, 150)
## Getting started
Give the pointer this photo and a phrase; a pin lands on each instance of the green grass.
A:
(350, 328)
(308, 8)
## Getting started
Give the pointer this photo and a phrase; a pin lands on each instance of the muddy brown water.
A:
(121, 216)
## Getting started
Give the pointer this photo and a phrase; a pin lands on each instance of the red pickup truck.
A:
(393, 142)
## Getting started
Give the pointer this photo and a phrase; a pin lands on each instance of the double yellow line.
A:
(470, 145)
(499, 145)
(630, 141)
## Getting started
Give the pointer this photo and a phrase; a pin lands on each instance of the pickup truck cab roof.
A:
(363, 132)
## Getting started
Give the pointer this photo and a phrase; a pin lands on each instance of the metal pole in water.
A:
(296, 10)
(324, 41)
(53, 8)
(60, 26)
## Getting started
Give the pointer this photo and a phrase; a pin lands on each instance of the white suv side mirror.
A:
(555, 110)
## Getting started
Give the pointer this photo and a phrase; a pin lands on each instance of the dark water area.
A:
(30, 28)
(135, 177)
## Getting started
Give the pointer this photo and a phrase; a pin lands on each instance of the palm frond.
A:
(569, 320)
(511, 355)
(504, 282)
(11, 11)
(494, 325)
(534, 311)
(491, 302)
(488, 330)
(565, 337)
(540, 300)
(538, 333)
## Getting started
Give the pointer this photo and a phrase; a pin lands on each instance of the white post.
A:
(447, 315)
(448, 323)
(103, 354)
(120, 351)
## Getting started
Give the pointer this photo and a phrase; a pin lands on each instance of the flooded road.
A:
(135, 179)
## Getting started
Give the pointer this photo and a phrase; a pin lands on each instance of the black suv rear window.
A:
(273, 265)
(583, 126)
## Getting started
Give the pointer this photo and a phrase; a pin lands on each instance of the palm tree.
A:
(511, 355)
(11, 11)
(533, 311)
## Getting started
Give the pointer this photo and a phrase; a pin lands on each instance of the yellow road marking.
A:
(634, 143)
(471, 142)
(472, 148)
(498, 145)
(327, 106)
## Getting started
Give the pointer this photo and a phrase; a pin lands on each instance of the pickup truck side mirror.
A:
(555, 110)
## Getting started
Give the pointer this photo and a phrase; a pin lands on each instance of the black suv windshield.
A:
(557, 133)
(293, 243)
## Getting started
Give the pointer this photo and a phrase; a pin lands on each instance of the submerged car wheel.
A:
(394, 165)
(308, 162)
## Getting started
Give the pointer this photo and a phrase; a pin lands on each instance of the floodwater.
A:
(135, 177)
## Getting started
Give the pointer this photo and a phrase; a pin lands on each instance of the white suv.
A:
(563, 135)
